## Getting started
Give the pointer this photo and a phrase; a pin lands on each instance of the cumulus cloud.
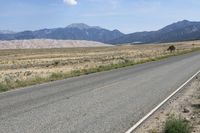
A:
(71, 2)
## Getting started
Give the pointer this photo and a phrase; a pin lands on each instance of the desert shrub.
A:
(153, 131)
(3, 87)
(76, 73)
(55, 63)
(177, 125)
(171, 48)
(56, 76)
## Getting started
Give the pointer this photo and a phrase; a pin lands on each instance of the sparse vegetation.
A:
(153, 131)
(19, 68)
(56, 76)
(3, 87)
(177, 125)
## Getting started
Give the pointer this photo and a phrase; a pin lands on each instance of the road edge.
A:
(130, 130)
(161, 59)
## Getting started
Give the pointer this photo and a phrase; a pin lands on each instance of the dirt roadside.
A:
(185, 104)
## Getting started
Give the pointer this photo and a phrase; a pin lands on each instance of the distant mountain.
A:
(82, 26)
(180, 31)
(6, 32)
(76, 31)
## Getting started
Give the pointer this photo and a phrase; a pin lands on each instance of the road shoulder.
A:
(185, 104)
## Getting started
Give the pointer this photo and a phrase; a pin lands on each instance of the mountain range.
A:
(180, 31)
(78, 31)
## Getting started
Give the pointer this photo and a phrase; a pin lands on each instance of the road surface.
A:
(105, 102)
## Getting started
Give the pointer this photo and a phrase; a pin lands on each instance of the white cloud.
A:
(71, 2)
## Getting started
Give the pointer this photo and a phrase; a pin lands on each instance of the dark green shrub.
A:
(56, 76)
(3, 87)
(177, 125)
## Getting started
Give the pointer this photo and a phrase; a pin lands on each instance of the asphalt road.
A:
(106, 102)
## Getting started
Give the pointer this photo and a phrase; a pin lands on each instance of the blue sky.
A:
(126, 15)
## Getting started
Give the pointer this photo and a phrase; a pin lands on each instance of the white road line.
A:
(159, 105)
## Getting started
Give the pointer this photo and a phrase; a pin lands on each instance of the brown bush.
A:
(171, 48)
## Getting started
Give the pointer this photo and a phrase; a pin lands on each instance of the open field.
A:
(24, 67)
(105, 102)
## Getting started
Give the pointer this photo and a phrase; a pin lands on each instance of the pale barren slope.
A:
(47, 43)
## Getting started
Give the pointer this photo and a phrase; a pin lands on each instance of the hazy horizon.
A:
(125, 15)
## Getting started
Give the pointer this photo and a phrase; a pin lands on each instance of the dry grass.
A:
(26, 67)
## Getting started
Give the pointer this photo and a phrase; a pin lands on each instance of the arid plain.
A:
(22, 67)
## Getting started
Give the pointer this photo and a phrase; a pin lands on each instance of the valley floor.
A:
(23, 67)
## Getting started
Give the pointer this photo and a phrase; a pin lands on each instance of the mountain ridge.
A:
(76, 31)
(180, 31)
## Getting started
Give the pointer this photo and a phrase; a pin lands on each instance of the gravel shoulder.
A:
(185, 104)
